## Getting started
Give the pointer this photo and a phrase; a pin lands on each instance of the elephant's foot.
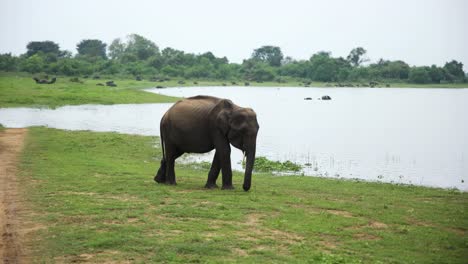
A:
(159, 180)
(168, 182)
(211, 186)
(227, 187)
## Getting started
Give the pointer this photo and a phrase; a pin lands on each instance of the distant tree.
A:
(141, 47)
(171, 71)
(419, 75)
(268, 54)
(256, 70)
(33, 64)
(227, 71)
(287, 60)
(209, 55)
(92, 48)
(454, 71)
(436, 74)
(45, 47)
(65, 54)
(357, 56)
(213, 59)
(116, 49)
(385, 69)
(156, 61)
(173, 57)
(263, 72)
(323, 67)
(295, 69)
(135, 48)
(8, 62)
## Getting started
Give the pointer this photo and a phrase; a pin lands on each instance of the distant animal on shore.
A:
(111, 84)
(44, 81)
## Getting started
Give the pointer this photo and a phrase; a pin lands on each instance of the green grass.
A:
(23, 91)
(262, 164)
(94, 196)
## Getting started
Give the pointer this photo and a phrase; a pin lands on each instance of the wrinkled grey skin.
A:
(202, 123)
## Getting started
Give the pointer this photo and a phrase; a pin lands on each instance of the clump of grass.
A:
(262, 164)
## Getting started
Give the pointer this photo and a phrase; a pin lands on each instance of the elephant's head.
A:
(240, 126)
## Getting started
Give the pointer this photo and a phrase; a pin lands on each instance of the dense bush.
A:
(139, 56)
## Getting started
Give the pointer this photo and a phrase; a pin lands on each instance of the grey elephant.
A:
(202, 123)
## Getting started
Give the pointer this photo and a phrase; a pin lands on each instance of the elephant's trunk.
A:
(250, 153)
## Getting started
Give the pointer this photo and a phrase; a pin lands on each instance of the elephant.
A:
(202, 123)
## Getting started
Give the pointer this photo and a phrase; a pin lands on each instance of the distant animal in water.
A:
(326, 97)
(39, 81)
(308, 98)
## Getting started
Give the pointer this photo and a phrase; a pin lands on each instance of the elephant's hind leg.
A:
(172, 153)
(161, 175)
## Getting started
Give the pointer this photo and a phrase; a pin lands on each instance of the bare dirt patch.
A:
(328, 242)
(12, 229)
(377, 225)
(340, 213)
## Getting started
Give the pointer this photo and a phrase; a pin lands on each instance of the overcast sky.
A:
(420, 32)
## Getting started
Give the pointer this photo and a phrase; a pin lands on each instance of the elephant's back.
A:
(186, 124)
(195, 107)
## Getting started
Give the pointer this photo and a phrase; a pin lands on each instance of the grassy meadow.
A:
(23, 91)
(20, 89)
(95, 200)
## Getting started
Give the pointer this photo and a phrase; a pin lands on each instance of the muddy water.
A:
(416, 136)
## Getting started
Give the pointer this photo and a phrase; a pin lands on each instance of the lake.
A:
(410, 136)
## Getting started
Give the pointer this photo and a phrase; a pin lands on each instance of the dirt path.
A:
(12, 235)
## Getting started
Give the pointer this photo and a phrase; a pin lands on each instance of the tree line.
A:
(138, 56)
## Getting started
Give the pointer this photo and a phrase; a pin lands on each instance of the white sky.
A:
(420, 32)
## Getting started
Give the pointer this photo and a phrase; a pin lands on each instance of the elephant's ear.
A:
(224, 110)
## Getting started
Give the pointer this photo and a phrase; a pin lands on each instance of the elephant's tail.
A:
(161, 132)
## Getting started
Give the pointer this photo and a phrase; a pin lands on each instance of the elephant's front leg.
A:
(214, 172)
(223, 149)
(225, 160)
